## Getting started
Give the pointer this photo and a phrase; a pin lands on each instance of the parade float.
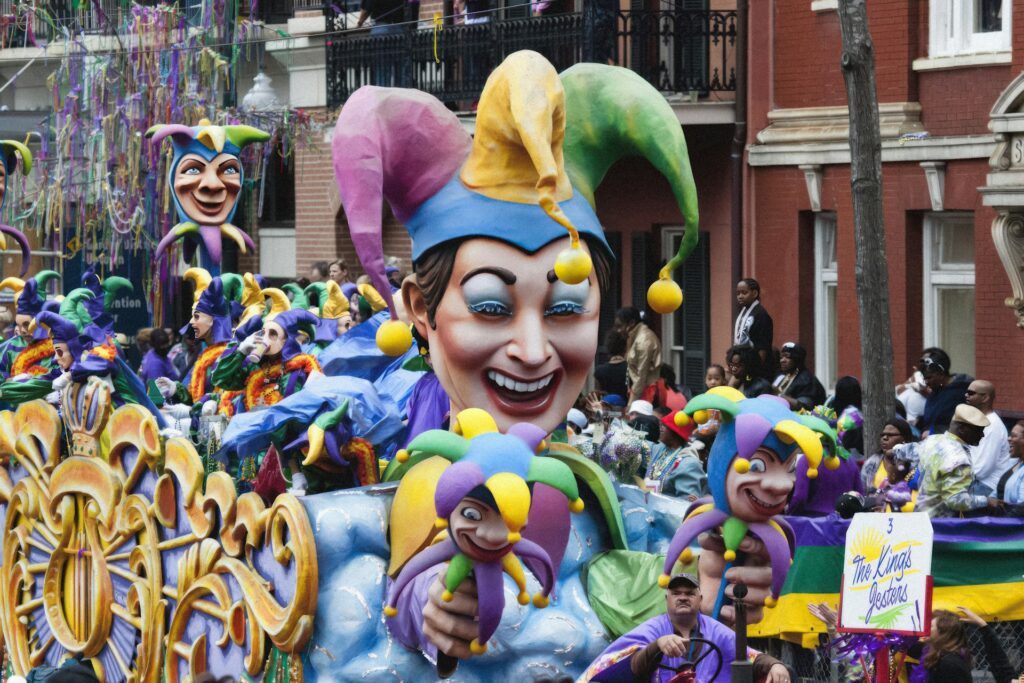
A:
(150, 529)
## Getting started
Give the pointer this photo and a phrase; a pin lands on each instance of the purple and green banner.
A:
(976, 563)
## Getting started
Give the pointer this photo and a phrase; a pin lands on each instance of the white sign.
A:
(887, 584)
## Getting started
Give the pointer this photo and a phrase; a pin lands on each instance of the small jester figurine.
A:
(206, 177)
(483, 500)
(332, 307)
(10, 150)
(750, 473)
(211, 326)
(105, 291)
(43, 373)
(28, 352)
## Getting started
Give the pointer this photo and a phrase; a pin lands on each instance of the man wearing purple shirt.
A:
(652, 650)
(156, 363)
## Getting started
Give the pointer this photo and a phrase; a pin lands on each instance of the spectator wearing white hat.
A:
(640, 416)
(945, 465)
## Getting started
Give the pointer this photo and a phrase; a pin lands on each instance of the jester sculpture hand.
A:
(483, 501)
(750, 472)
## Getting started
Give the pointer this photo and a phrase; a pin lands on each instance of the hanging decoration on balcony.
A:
(103, 189)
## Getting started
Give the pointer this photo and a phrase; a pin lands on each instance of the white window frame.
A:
(949, 276)
(824, 277)
(951, 29)
(671, 351)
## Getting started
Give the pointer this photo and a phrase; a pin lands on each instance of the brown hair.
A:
(434, 269)
(948, 637)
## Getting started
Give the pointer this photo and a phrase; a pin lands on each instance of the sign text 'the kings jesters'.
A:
(886, 574)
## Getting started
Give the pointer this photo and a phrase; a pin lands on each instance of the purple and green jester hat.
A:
(10, 150)
(205, 177)
(543, 143)
(209, 299)
(31, 295)
(105, 291)
(748, 425)
(498, 470)
(292, 321)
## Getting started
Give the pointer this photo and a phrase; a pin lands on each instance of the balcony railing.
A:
(677, 51)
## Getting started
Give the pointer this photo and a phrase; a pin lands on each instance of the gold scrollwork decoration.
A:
(115, 545)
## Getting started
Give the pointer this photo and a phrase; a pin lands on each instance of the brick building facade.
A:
(947, 282)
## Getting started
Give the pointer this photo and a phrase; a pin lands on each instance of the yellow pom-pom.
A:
(573, 266)
(742, 465)
(909, 507)
(701, 416)
(402, 455)
(812, 472)
(542, 446)
(524, 598)
(770, 601)
(663, 580)
(390, 611)
(832, 462)
(476, 648)
(682, 419)
(729, 555)
(664, 296)
(394, 338)
(540, 601)
(441, 523)
(447, 596)
(686, 556)
(576, 505)
(514, 537)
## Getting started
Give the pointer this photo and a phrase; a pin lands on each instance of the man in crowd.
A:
(318, 271)
(946, 390)
(665, 640)
(643, 351)
(945, 465)
(991, 457)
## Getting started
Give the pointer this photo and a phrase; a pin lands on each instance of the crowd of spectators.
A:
(946, 451)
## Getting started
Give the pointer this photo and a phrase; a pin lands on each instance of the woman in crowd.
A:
(1011, 484)
(896, 431)
(745, 367)
(946, 657)
(795, 382)
(675, 469)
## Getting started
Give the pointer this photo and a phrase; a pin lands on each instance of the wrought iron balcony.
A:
(678, 51)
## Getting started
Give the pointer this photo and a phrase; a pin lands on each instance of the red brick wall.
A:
(322, 235)
(958, 101)
(779, 196)
(808, 46)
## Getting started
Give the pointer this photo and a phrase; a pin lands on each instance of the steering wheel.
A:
(686, 672)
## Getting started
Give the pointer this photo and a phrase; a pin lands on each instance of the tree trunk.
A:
(858, 62)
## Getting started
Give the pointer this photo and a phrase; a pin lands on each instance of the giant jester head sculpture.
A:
(205, 176)
(751, 474)
(10, 151)
(504, 229)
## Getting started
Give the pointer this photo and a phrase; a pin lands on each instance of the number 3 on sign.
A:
(890, 526)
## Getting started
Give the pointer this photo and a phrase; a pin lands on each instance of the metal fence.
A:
(817, 666)
(676, 50)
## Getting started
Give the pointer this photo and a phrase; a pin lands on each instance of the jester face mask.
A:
(206, 177)
(206, 190)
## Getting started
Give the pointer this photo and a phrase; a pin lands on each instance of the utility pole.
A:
(858, 62)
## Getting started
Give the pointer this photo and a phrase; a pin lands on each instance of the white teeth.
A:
(521, 387)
